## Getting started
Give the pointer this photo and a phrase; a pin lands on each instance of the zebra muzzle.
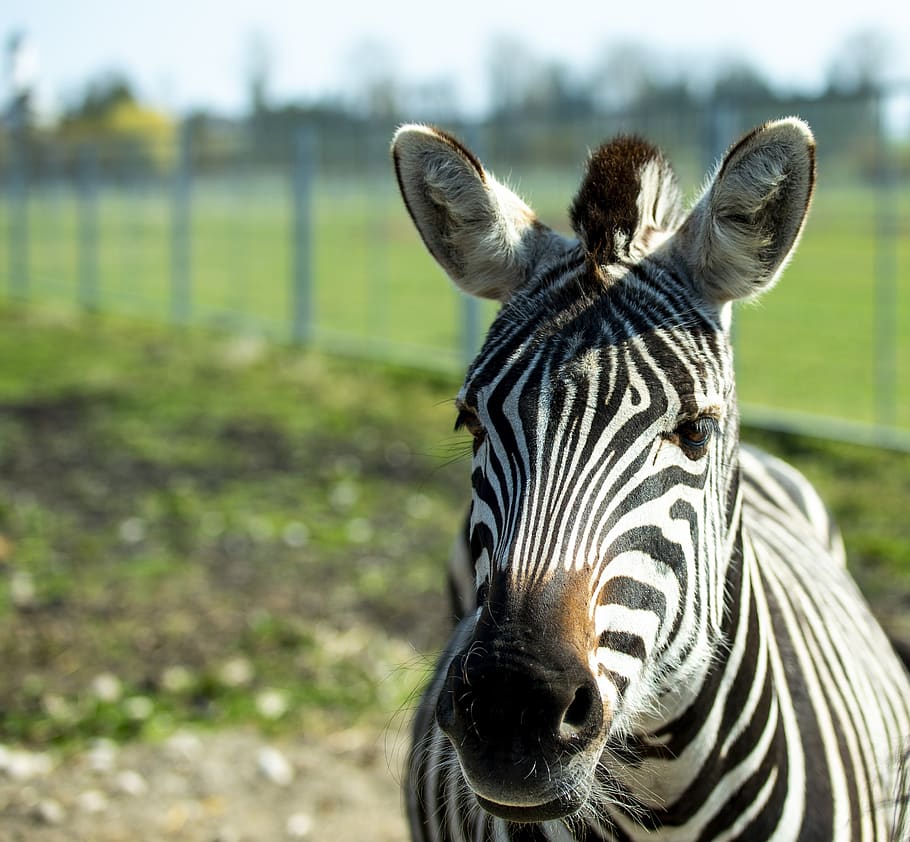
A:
(528, 724)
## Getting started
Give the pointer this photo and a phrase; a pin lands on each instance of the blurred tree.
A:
(131, 134)
(375, 86)
(511, 69)
(861, 64)
(258, 71)
(624, 76)
(738, 81)
(103, 94)
(21, 73)
(521, 83)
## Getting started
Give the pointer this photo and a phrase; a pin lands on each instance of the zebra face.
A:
(599, 452)
(603, 414)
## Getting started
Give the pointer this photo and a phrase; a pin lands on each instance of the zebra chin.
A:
(557, 793)
(558, 808)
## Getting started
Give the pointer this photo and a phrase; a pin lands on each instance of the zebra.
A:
(657, 637)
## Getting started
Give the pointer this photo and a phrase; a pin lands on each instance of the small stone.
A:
(106, 687)
(177, 679)
(49, 811)
(22, 590)
(102, 755)
(26, 766)
(295, 534)
(92, 801)
(272, 704)
(138, 708)
(57, 708)
(275, 766)
(237, 672)
(132, 530)
(299, 826)
(184, 745)
(130, 782)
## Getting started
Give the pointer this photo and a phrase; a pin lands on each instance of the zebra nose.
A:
(583, 714)
(511, 704)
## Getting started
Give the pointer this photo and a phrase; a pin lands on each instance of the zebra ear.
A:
(483, 235)
(741, 233)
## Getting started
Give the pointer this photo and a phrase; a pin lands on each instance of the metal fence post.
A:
(88, 227)
(886, 268)
(302, 257)
(18, 216)
(181, 290)
(377, 157)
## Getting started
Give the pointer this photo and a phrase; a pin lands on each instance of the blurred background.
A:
(227, 485)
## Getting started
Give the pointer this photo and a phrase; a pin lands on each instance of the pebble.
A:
(57, 708)
(130, 782)
(176, 818)
(138, 708)
(275, 766)
(92, 801)
(106, 687)
(237, 672)
(132, 530)
(177, 679)
(272, 704)
(184, 745)
(49, 811)
(24, 765)
(299, 826)
(22, 589)
(102, 756)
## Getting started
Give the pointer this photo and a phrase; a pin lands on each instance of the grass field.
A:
(823, 342)
(198, 528)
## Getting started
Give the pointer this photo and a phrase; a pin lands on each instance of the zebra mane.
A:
(629, 195)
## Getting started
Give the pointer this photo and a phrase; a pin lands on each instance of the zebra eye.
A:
(467, 420)
(693, 435)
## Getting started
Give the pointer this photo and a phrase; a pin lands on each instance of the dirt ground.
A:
(224, 786)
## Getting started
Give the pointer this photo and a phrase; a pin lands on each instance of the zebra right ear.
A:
(745, 227)
(483, 235)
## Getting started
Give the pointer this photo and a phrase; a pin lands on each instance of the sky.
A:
(182, 54)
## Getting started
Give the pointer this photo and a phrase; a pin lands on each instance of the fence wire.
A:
(303, 238)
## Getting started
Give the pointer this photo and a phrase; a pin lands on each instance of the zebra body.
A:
(659, 638)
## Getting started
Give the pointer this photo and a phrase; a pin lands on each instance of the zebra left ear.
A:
(484, 236)
(740, 235)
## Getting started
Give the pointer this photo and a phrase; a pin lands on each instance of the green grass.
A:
(811, 345)
(174, 500)
(178, 502)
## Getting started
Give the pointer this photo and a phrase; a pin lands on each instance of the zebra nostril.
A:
(581, 713)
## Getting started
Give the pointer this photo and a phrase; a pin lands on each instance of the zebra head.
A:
(604, 522)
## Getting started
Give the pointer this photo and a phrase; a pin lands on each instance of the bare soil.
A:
(218, 786)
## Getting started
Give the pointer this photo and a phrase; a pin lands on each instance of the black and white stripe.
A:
(658, 638)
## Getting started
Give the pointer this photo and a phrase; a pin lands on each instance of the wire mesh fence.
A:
(301, 236)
